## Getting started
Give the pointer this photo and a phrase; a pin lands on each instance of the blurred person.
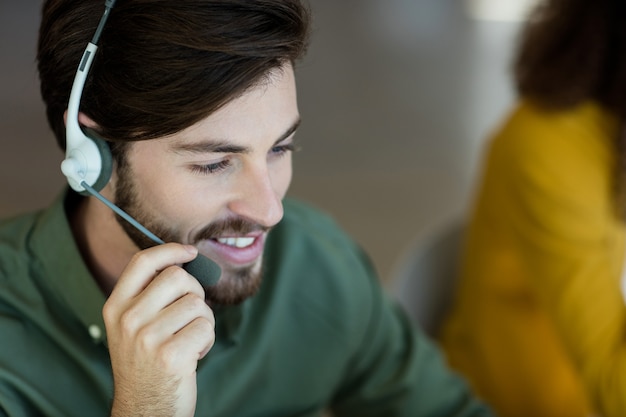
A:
(539, 319)
(183, 152)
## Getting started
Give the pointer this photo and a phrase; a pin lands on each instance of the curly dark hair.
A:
(573, 51)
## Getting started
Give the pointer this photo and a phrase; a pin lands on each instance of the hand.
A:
(158, 327)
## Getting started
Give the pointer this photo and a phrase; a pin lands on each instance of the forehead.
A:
(263, 112)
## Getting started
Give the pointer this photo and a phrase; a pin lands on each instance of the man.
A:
(197, 102)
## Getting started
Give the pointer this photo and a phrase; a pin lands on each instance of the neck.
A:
(104, 246)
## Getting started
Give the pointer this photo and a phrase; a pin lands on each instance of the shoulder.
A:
(565, 150)
(19, 295)
(14, 238)
(552, 171)
(26, 240)
(582, 131)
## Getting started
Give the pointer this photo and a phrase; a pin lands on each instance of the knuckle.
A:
(139, 259)
(178, 274)
(195, 302)
(178, 277)
(195, 286)
(168, 356)
(146, 339)
(206, 326)
(173, 275)
(129, 321)
(108, 311)
(207, 331)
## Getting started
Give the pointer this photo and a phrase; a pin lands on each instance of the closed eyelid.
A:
(211, 168)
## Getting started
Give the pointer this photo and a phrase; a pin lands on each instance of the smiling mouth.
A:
(236, 242)
(235, 250)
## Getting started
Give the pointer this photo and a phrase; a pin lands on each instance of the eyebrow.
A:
(222, 146)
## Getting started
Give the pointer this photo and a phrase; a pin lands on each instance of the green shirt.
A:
(319, 334)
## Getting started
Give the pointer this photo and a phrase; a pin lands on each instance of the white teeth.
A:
(239, 242)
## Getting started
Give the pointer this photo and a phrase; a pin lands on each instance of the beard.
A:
(236, 283)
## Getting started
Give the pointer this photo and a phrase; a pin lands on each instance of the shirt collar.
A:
(64, 271)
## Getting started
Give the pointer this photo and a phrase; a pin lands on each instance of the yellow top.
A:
(539, 324)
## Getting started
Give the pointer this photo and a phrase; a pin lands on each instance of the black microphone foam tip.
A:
(206, 271)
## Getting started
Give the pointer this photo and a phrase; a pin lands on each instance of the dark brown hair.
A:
(573, 51)
(163, 65)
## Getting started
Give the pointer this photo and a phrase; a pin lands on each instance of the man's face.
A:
(218, 184)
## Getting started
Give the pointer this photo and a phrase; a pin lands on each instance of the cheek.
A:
(166, 196)
(159, 190)
(281, 176)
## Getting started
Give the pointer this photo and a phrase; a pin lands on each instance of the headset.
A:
(88, 163)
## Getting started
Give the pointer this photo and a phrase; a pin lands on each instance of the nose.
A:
(259, 196)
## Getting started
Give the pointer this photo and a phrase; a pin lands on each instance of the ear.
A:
(83, 120)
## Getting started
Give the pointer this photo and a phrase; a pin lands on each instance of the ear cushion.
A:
(105, 157)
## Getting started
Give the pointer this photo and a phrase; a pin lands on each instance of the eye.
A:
(280, 150)
(210, 168)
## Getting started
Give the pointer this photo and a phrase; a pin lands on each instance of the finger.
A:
(146, 264)
(174, 319)
(167, 287)
(183, 350)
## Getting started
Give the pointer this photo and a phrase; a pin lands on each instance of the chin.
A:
(236, 285)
